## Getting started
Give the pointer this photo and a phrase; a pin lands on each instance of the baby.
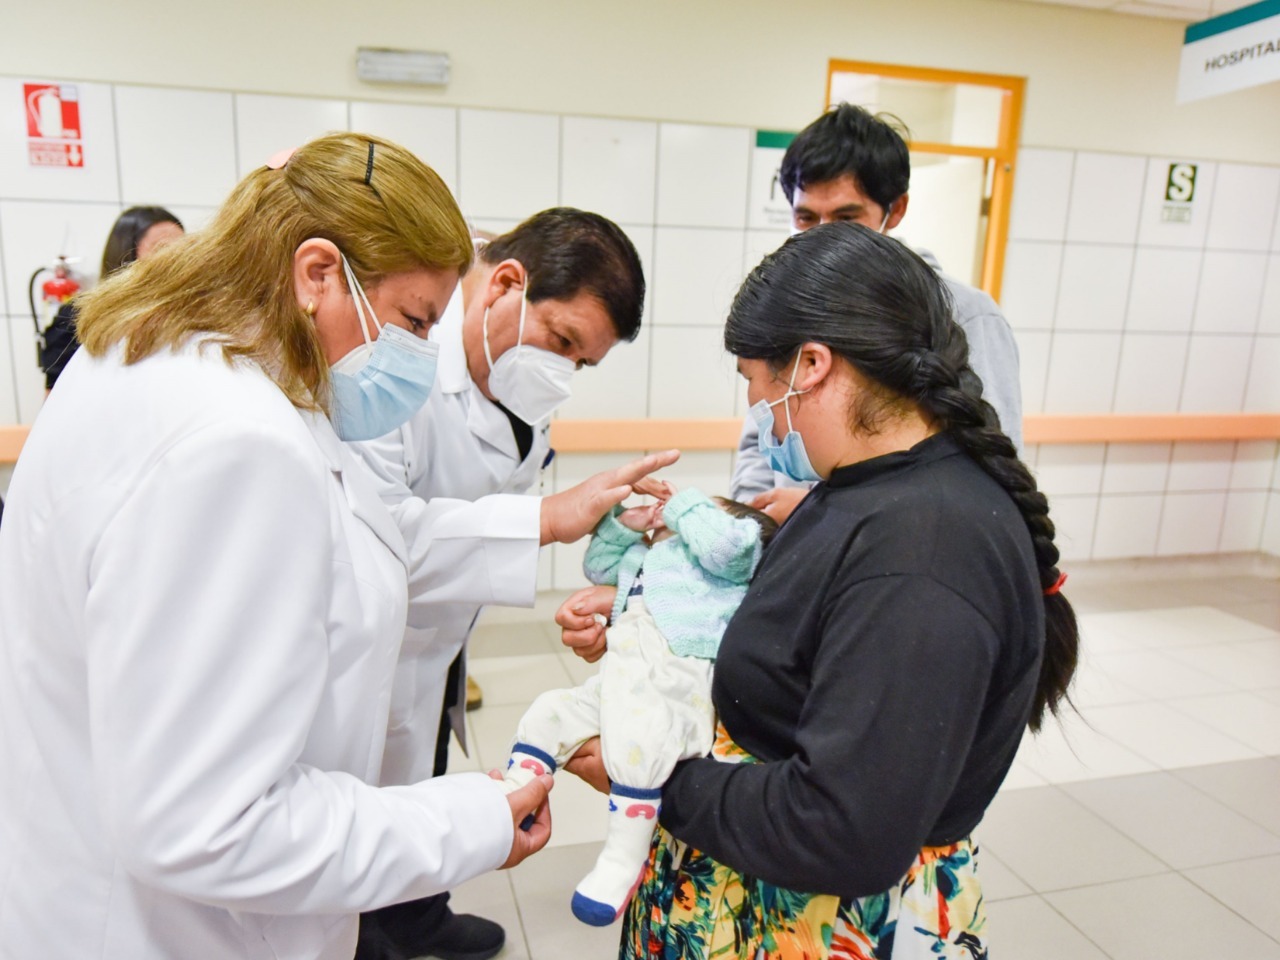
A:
(650, 703)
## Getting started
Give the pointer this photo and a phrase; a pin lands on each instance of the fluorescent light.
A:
(381, 65)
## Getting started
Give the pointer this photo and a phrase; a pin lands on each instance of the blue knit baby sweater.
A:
(693, 581)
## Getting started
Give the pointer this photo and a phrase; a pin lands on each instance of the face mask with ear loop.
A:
(528, 381)
(789, 456)
(381, 383)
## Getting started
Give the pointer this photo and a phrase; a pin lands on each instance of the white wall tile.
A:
(690, 374)
(28, 380)
(697, 271)
(1030, 290)
(708, 470)
(642, 239)
(430, 132)
(1253, 465)
(1271, 526)
(1070, 469)
(96, 180)
(702, 175)
(265, 125)
(759, 244)
(1217, 368)
(1198, 467)
(1127, 527)
(1151, 368)
(490, 184)
(1106, 196)
(566, 565)
(1033, 367)
(1163, 294)
(1074, 519)
(1082, 372)
(1230, 293)
(617, 389)
(8, 386)
(1136, 468)
(610, 167)
(177, 147)
(1263, 395)
(1191, 523)
(1159, 230)
(1095, 287)
(1243, 521)
(1269, 315)
(1244, 207)
(193, 218)
(1040, 195)
(34, 233)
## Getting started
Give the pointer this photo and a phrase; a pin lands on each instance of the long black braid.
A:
(882, 308)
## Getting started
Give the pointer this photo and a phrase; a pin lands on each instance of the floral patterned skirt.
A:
(689, 907)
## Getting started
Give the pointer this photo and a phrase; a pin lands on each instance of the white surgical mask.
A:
(528, 381)
(381, 383)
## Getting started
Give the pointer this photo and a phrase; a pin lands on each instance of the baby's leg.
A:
(551, 731)
(655, 709)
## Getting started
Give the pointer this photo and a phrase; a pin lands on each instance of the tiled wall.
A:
(1117, 310)
(1114, 310)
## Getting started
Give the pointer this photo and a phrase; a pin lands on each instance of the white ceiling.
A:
(1188, 11)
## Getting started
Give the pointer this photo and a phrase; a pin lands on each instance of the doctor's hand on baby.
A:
(571, 514)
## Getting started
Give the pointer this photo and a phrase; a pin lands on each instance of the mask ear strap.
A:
(357, 294)
(484, 339)
(524, 306)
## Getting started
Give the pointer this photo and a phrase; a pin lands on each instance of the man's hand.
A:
(588, 764)
(572, 514)
(583, 618)
(779, 502)
(529, 799)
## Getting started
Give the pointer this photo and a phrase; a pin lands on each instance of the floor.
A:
(1145, 825)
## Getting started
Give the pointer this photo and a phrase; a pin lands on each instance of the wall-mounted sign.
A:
(53, 125)
(1236, 50)
(769, 207)
(1179, 193)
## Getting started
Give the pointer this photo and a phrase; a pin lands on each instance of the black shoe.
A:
(459, 936)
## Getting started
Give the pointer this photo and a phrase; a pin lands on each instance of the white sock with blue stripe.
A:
(604, 892)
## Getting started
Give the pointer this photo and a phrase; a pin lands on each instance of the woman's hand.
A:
(529, 799)
(588, 764)
(582, 619)
(572, 514)
(780, 502)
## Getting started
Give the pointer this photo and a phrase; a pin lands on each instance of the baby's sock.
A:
(525, 763)
(603, 893)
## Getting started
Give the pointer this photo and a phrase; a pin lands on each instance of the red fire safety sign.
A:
(53, 125)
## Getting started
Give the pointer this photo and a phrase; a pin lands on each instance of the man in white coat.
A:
(552, 295)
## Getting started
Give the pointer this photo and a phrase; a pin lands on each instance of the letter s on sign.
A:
(1181, 186)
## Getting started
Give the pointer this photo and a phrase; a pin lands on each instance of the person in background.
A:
(905, 627)
(553, 295)
(203, 598)
(849, 165)
(136, 234)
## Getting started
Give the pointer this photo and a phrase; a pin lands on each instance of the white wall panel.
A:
(508, 163)
(702, 175)
(1041, 196)
(97, 180)
(265, 125)
(1106, 197)
(177, 147)
(1244, 207)
(610, 167)
(1029, 295)
(430, 132)
(697, 271)
(1094, 290)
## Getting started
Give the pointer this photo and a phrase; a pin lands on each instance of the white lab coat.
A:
(459, 447)
(201, 605)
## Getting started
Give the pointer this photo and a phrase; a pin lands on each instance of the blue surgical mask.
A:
(382, 383)
(787, 457)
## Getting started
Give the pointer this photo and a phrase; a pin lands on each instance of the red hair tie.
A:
(1057, 585)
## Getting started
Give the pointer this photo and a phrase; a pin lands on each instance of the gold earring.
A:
(311, 308)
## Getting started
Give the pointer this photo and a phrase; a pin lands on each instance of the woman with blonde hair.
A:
(200, 619)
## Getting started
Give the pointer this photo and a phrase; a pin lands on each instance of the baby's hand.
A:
(639, 519)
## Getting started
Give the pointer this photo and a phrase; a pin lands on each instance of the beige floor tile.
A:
(1167, 917)
(509, 640)
(1244, 665)
(1248, 888)
(998, 881)
(1029, 929)
(1070, 748)
(1253, 720)
(1250, 787)
(1158, 675)
(1181, 825)
(1051, 841)
(491, 896)
(1165, 737)
(518, 680)
(544, 886)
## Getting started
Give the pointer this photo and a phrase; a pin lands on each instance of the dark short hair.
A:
(568, 252)
(850, 140)
(128, 230)
(736, 508)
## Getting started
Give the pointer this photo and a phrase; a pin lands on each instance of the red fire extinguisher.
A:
(54, 292)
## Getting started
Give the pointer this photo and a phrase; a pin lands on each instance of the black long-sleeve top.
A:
(883, 666)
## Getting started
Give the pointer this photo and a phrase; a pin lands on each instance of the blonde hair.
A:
(385, 209)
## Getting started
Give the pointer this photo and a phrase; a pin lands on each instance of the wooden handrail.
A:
(625, 436)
